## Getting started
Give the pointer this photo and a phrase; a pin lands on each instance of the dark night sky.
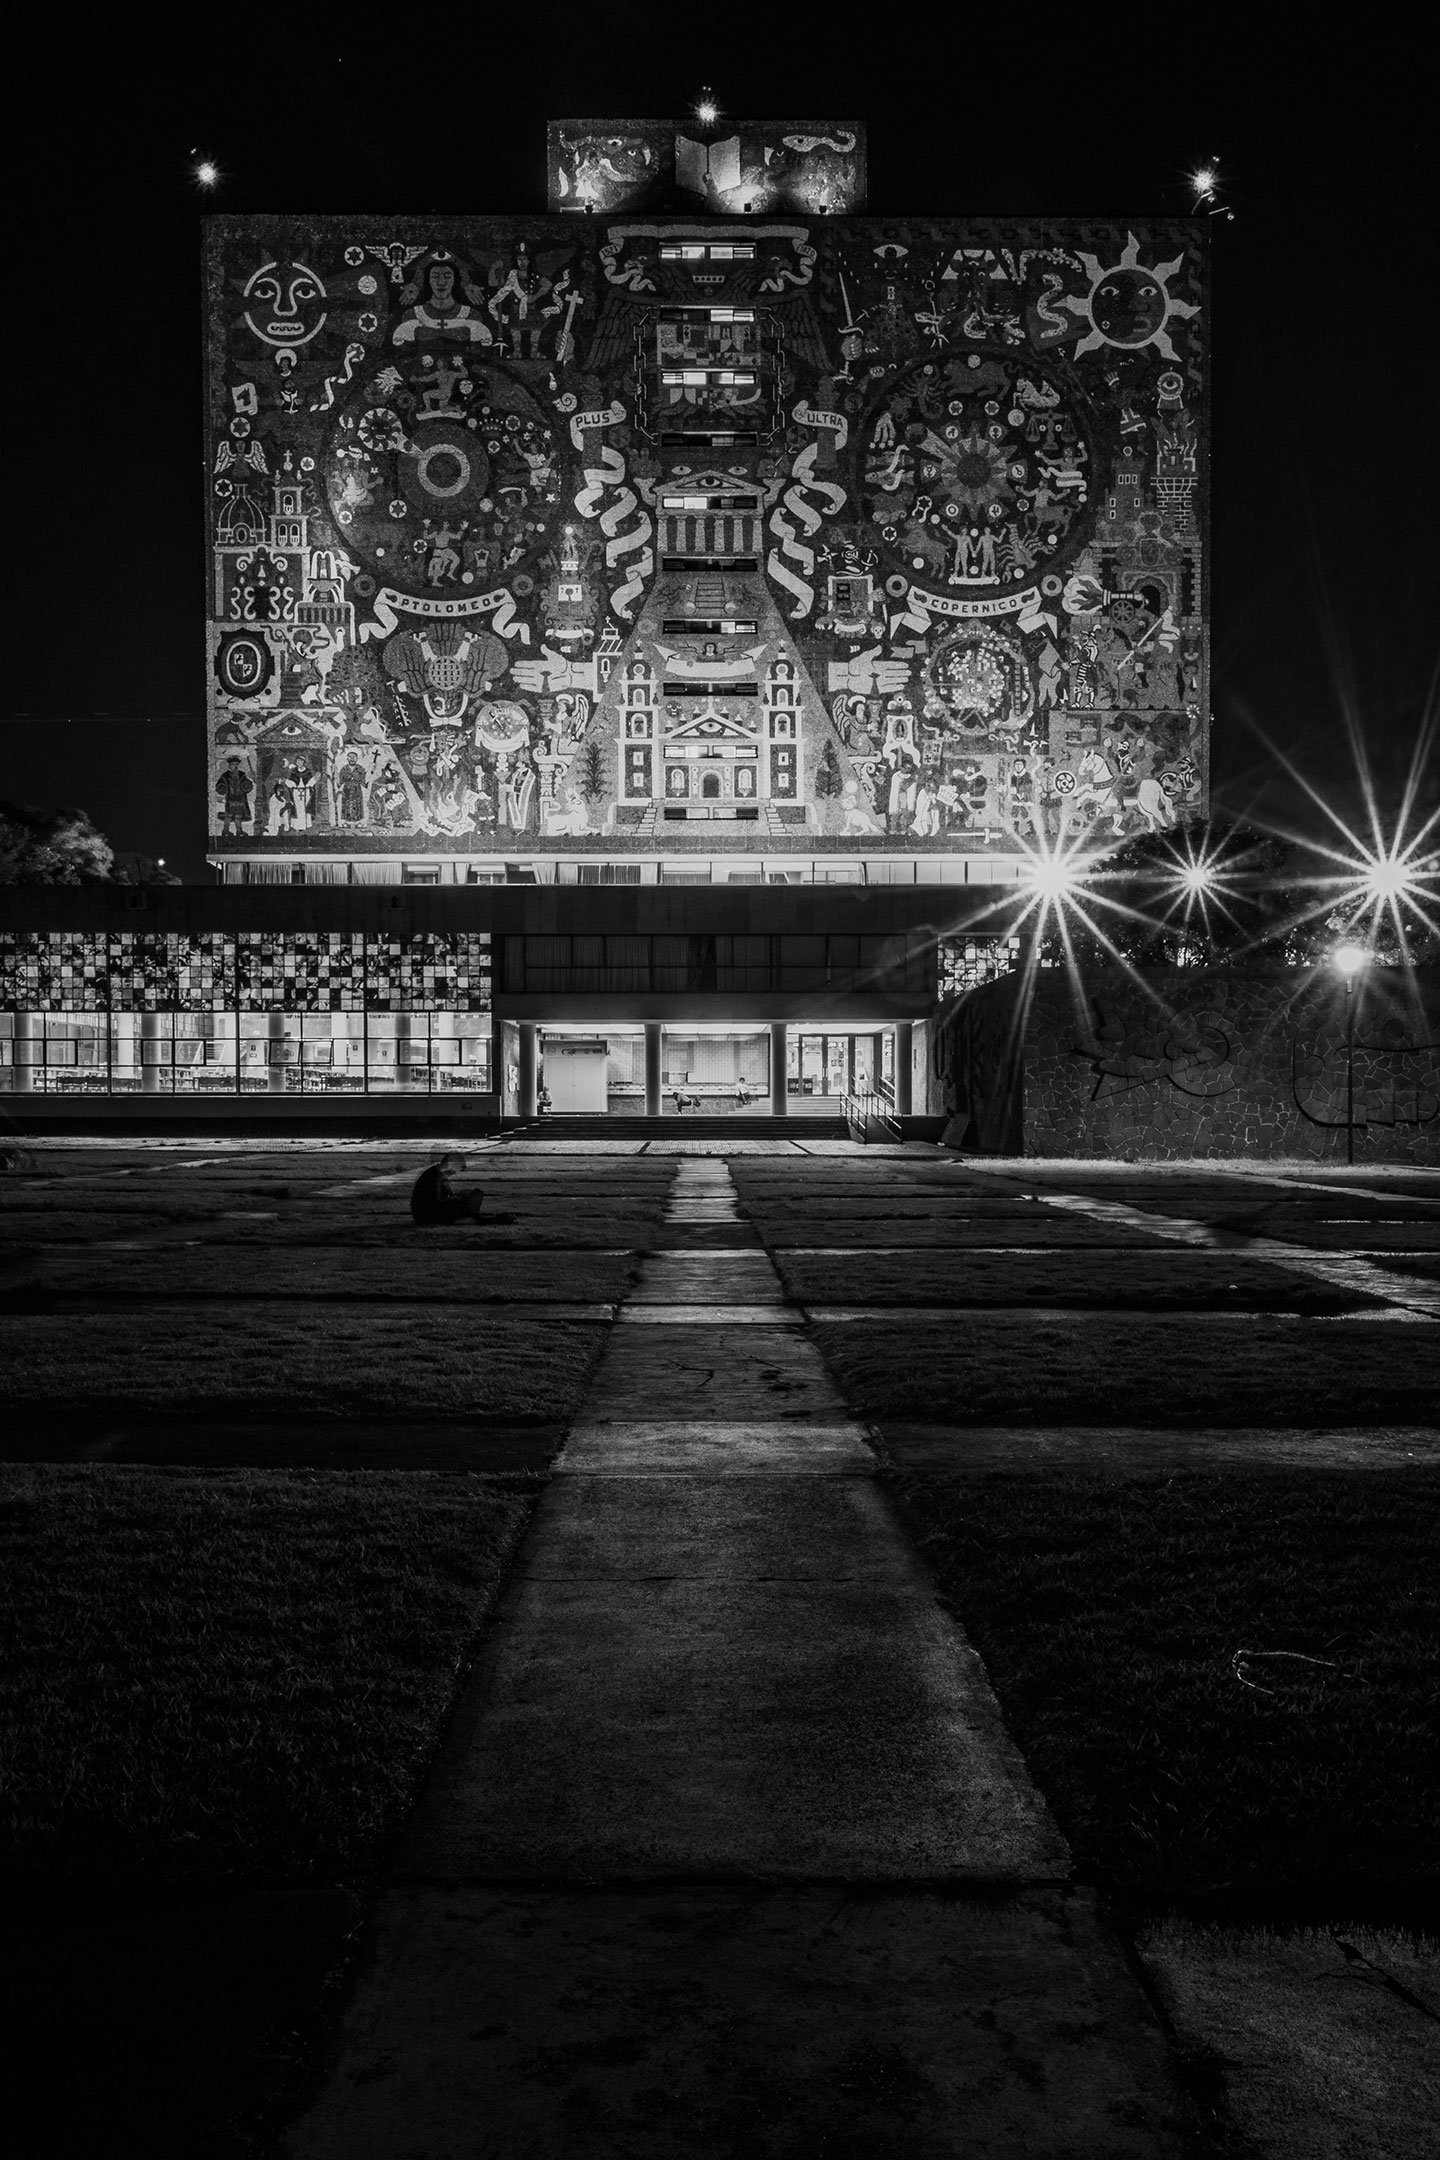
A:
(1326, 540)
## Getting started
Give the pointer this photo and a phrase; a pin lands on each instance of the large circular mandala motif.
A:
(445, 477)
(978, 473)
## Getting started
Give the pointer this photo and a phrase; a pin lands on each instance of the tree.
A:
(828, 778)
(1217, 893)
(590, 772)
(65, 847)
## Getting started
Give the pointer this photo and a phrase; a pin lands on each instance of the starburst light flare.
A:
(207, 173)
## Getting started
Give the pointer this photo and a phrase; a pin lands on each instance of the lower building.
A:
(500, 1001)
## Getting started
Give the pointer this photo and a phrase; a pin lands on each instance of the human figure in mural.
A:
(519, 288)
(434, 309)
(450, 794)
(283, 807)
(389, 804)
(442, 378)
(444, 561)
(234, 789)
(436, 1198)
(350, 791)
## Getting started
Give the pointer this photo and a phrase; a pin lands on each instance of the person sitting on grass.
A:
(434, 1198)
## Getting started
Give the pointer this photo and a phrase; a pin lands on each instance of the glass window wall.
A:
(274, 1053)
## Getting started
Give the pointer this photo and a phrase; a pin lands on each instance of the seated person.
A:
(743, 1094)
(434, 1198)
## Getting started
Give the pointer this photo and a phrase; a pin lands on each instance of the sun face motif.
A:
(1128, 304)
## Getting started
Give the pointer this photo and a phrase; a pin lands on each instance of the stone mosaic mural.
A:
(753, 533)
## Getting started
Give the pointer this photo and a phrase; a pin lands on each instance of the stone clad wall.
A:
(1182, 1062)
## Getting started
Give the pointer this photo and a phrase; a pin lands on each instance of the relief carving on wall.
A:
(1195, 1052)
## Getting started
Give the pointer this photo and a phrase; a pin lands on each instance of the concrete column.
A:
(149, 1071)
(779, 1099)
(497, 1063)
(28, 1037)
(654, 1061)
(904, 1052)
(528, 1068)
(275, 1071)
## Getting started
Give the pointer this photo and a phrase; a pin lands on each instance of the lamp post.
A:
(1350, 959)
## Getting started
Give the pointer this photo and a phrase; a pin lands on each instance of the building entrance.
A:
(836, 1065)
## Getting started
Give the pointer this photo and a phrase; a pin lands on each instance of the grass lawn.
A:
(1181, 1282)
(927, 1227)
(221, 1694)
(456, 1270)
(1005, 1370)
(240, 1674)
(373, 1361)
(1111, 1614)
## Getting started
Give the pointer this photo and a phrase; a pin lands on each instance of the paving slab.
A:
(785, 1730)
(789, 1527)
(728, 1850)
(773, 2024)
(651, 1313)
(1337, 1268)
(751, 1375)
(708, 1448)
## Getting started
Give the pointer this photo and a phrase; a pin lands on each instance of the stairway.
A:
(688, 1126)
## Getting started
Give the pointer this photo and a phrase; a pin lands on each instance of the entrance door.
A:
(576, 1077)
(835, 1065)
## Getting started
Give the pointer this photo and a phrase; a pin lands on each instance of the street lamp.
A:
(1350, 959)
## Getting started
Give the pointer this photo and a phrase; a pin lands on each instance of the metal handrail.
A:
(864, 1112)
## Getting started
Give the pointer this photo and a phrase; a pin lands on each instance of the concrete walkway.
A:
(729, 1851)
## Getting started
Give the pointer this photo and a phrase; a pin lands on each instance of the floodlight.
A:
(1387, 878)
(1204, 182)
(707, 112)
(207, 173)
(1052, 877)
(1350, 958)
(1198, 878)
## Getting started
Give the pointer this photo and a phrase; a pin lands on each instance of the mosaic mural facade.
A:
(630, 533)
(244, 971)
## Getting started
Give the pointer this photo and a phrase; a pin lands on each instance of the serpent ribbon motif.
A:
(796, 513)
(354, 354)
(609, 474)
